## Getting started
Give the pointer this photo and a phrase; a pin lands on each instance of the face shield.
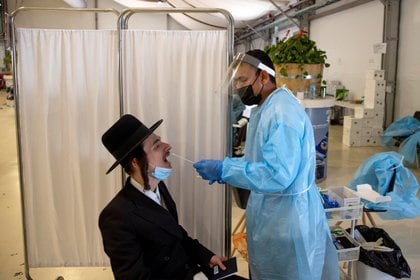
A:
(237, 71)
(241, 75)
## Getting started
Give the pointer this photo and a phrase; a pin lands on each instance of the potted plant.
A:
(298, 61)
(7, 61)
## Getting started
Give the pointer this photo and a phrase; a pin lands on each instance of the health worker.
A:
(288, 235)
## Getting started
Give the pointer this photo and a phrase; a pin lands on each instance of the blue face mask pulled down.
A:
(161, 173)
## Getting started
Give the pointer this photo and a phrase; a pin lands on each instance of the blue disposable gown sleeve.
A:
(408, 148)
(277, 168)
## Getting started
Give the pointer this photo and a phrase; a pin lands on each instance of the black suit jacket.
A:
(145, 241)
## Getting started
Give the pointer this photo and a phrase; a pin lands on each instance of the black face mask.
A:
(247, 95)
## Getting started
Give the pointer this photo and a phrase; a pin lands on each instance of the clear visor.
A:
(229, 81)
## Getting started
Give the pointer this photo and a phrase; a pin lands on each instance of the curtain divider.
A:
(12, 17)
(123, 24)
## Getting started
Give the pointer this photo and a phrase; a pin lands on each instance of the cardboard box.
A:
(366, 141)
(375, 74)
(351, 142)
(366, 132)
(374, 85)
(375, 141)
(371, 98)
(380, 96)
(367, 123)
(352, 134)
(377, 131)
(353, 123)
(378, 118)
(360, 113)
(379, 105)
(368, 113)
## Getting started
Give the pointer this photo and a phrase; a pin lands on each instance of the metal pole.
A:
(390, 59)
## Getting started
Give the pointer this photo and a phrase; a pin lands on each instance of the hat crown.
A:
(124, 136)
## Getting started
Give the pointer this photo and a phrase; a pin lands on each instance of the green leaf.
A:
(297, 50)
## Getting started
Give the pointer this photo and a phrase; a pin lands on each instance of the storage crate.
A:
(350, 207)
(344, 196)
(347, 254)
(345, 213)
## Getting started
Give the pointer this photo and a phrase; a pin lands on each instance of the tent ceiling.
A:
(245, 12)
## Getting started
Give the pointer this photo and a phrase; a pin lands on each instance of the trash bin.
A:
(391, 263)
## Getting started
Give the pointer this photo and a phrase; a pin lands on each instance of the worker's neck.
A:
(268, 89)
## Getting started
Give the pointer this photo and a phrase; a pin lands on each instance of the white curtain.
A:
(175, 76)
(68, 93)
(68, 97)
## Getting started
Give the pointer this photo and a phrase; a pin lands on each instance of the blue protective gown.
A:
(378, 171)
(287, 230)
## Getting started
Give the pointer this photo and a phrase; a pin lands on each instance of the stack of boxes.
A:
(366, 126)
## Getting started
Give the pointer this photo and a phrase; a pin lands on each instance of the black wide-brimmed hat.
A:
(124, 136)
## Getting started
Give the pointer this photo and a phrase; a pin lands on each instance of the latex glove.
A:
(377, 246)
(210, 169)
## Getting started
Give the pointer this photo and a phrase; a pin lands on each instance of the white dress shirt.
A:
(154, 195)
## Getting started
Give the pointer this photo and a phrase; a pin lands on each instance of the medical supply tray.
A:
(348, 254)
(344, 213)
(350, 206)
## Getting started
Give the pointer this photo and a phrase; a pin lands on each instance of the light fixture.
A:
(76, 3)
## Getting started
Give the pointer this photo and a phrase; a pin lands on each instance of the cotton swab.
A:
(187, 160)
(183, 158)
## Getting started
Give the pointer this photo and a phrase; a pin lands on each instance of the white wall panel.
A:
(348, 38)
(408, 79)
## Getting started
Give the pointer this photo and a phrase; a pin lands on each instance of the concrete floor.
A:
(342, 163)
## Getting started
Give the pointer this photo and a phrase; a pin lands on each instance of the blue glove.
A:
(210, 169)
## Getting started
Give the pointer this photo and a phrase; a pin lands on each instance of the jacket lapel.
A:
(149, 210)
(167, 198)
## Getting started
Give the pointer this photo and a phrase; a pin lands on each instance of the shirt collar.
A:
(154, 195)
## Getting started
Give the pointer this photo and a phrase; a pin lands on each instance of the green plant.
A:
(7, 60)
(341, 93)
(296, 49)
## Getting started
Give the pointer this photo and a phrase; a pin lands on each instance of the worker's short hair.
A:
(264, 58)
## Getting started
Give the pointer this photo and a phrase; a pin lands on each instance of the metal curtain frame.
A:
(123, 25)
(13, 16)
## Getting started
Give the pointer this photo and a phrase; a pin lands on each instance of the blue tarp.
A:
(387, 175)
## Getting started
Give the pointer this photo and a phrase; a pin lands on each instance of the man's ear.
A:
(265, 77)
(135, 163)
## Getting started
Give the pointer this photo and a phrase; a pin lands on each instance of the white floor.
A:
(342, 163)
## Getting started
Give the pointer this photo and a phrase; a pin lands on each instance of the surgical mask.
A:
(161, 173)
(247, 95)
